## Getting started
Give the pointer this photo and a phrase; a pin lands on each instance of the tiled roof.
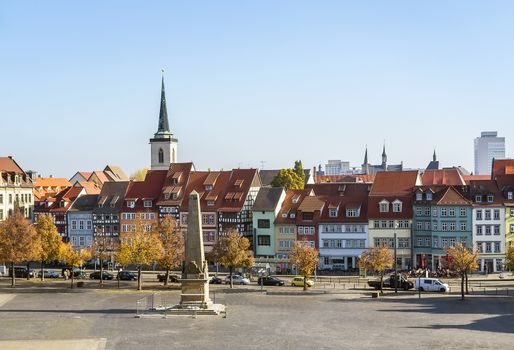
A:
(361, 178)
(503, 167)
(395, 183)
(446, 176)
(100, 175)
(197, 182)
(451, 196)
(469, 178)
(176, 180)
(51, 182)
(374, 207)
(85, 203)
(311, 204)
(267, 199)
(237, 189)
(149, 189)
(486, 188)
(111, 193)
(90, 187)
(343, 197)
(7, 164)
(290, 205)
(115, 173)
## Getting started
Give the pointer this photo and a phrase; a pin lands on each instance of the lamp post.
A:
(395, 261)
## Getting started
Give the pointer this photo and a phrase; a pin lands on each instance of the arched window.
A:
(173, 156)
(161, 155)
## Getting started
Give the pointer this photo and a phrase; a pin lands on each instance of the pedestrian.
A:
(66, 274)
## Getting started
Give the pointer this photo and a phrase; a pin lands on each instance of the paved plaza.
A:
(89, 319)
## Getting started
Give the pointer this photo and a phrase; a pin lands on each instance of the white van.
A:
(431, 285)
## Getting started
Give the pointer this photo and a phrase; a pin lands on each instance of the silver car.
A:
(236, 279)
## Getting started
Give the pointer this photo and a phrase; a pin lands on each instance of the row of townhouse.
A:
(425, 212)
(16, 188)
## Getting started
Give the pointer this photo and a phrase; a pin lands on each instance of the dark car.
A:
(270, 281)
(105, 276)
(215, 280)
(126, 276)
(21, 272)
(389, 282)
(171, 278)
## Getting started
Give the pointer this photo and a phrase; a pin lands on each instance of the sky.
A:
(249, 82)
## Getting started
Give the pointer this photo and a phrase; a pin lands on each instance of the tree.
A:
(509, 261)
(139, 248)
(19, 241)
(139, 174)
(298, 169)
(288, 179)
(377, 260)
(75, 258)
(462, 260)
(232, 251)
(172, 241)
(50, 240)
(101, 249)
(305, 259)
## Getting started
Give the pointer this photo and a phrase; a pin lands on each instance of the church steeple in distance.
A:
(434, 157)
(384, 155)
(163, 130)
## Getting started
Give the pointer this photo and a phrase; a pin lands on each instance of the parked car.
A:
(431, 285)
(105, 276)
(389, 282)
(298, 282)
(237, 279)
(21, 272)
(270, 281)
(215, 280)
(171, 278)
(126, 276)
(48, 274)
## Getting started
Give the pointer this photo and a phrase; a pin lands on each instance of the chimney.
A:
(314, 174)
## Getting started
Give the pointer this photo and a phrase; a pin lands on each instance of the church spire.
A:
(365, 156)
(434, 157)
(384, 155)
(163, 129)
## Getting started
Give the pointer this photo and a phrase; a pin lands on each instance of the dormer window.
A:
(478, 198)
(419, 196)
(208, 187)
(296, 198)
(429, 196)
(166, 196)
(510, 195)
(490, 198)
(147, 204)
(397, 206)
(332, 212)
(174, 181)
(352, 213)
(292, 215)
(384, 206)
(210, 203)
(131, 204)
(174, 195)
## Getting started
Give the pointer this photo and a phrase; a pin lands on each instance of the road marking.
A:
(71, 344)
(5, 298)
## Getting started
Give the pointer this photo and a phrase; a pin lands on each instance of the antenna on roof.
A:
(262, 164)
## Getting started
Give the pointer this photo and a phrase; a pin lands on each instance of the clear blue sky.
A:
(253, 80)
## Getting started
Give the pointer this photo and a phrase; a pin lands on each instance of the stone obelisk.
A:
(195, 275)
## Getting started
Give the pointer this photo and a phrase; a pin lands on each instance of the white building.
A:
(487, 147)
(337, 167)
(16, 186)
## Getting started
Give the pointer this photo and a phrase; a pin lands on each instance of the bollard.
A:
(419, 293)
(214, 292)
(334, 285)
(354, 286)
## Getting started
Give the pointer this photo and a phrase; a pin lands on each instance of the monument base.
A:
(191, 310)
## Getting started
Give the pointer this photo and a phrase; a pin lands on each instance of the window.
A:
(263, 223)
(73, 224)
(462, 211)
(429, 196)
(435, 242)
(427, 211)
(452, 241)
(384, 206)
(497, 247)
(427, 241)
(452, 211)
(352, 213)
(479, 214)
(81, 224)
(10, 198)
(434, 225)
(419, 225)
(419, 241)
(463, 226)
(445, 242)
(479, 230)
(490, 198)
(210, 203)
(161, 156)
(427, 225)
(496, 214)
(512, 212)
(300, 230)
(444, 212)
(478, 198)
(74, 241)
(496, 229)
(263, 240)
(82, 240)
(307, 216)
(1, 199)
(511, 228)
(487, 214)
(131, 204)
(418, 211)
(510, 195)
(488, 247)
(488, 230)
(403, 242)
(332, 212)
(444, 226)
(397, 207)
(1, 214)
(147, 204)
(434, 212)
(452, 226)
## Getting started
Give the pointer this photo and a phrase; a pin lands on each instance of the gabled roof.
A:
(450, 196)
(68, 195)
(486, 188)
(311, 204)
(343, 197)
(395, 183)
(149, 188)
(469, 178)
(290, 205)
(502, 167)
(102, 178)
(51, 182)
(9, 165)
(237, 189)
(176, 180)
(267, 199)
(109, 192)
(360, 178)
(446, 176)
(84, 203)
(114, 173)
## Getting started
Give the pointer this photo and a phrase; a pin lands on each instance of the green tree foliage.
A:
(377, 260)
(288, 179)
(305, 259)
(232, 251)
(19, 241)
(50, 240)
(298, 169)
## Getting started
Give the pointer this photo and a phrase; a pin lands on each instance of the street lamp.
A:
(395, 260)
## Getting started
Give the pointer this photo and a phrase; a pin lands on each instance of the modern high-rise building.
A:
(488, 147)
(337, 167)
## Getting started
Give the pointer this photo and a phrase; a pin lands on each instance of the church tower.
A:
(163, 145)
